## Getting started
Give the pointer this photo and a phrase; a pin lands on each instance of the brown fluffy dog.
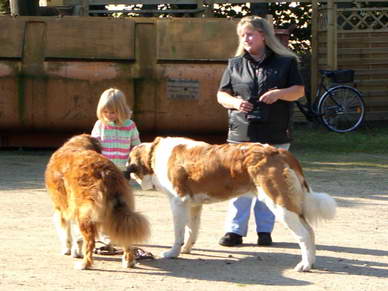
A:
(91, 195)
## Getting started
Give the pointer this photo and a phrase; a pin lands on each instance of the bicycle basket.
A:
(342, 76)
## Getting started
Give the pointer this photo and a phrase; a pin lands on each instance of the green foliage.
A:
(4, 7)
(229, 10)
(284, 15)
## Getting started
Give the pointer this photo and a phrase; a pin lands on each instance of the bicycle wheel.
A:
(341, 109)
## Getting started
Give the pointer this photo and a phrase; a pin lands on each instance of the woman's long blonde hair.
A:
(114, 99)
(261, 24)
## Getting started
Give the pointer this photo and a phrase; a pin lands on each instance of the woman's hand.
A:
(244, 106)
(270, 96)
(229, 101)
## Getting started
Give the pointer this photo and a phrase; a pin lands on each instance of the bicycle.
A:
(339, 108)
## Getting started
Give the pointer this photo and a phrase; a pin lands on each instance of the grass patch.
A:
(372, 140)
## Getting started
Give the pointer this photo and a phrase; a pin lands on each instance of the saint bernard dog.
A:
(91, 195)
(193, 173)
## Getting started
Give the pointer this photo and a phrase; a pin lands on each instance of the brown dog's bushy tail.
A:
(120, 221)
(125, 227)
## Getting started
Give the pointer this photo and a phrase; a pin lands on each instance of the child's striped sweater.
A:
(116, 141)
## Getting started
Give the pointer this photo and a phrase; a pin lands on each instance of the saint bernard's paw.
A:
(303, 267)
(173, 253)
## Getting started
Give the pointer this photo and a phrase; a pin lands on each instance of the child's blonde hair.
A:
(261, 24)
(114, 100)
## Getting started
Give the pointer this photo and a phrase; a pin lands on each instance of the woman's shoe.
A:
(265, 239)
(230, 239)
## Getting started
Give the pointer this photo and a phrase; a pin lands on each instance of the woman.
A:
(258, 88)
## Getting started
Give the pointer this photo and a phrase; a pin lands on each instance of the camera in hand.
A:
(259, 112)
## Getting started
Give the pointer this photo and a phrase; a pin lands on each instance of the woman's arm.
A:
(233, 102)
(287, 94)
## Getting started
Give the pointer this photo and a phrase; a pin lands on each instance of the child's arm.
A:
(135, 137)
(96, 131)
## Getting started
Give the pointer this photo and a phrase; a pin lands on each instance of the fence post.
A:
(84, 8)
(314, 47)
(331, 35)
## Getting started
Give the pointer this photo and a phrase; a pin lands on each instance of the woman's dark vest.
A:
(250, 79)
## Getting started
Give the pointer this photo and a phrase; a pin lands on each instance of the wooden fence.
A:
(358, 40)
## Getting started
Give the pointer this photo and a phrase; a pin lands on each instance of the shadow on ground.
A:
(263, 268)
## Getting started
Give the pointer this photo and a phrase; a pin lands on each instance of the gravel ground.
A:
(352, 249)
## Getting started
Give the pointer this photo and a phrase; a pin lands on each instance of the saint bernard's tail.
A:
(318, 206)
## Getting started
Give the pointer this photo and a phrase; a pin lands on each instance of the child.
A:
(114, 128)
(117, 134)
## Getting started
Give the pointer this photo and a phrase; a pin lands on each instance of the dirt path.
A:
(352, 249)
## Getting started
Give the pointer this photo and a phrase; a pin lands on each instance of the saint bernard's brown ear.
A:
(132, 168)
(127, 175)
(157, 140)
